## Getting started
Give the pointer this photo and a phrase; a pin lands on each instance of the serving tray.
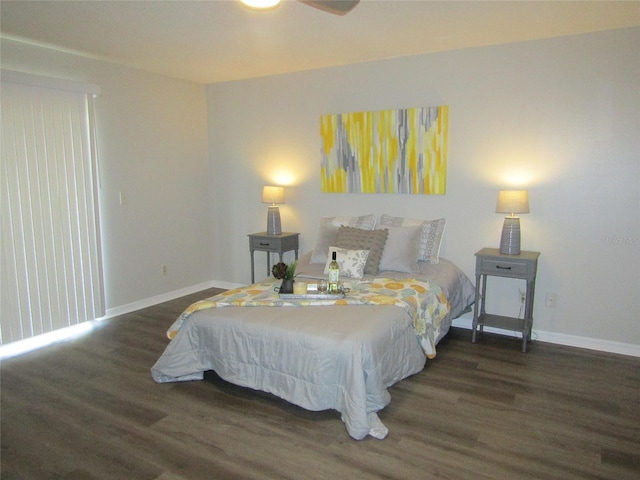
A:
(311, 296)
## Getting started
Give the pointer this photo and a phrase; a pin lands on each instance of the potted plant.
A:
(286, 273)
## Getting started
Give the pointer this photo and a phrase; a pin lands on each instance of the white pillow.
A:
(402, 249)
(328, 232)
(430, 238)
(350, 262)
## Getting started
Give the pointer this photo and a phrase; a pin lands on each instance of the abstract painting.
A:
(388, 151)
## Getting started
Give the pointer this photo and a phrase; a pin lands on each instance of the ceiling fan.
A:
(337, 7)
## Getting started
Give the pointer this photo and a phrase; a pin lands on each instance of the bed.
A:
(321, 354)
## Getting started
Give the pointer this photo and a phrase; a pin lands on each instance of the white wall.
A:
(559, 117)
(152, 146)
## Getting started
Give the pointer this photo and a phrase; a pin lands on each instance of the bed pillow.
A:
(402, 250)
(430, 239)
(328, 231)
(372, 240)
(350, 262)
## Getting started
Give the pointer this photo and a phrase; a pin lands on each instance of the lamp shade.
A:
(513, 201)
(272, 195)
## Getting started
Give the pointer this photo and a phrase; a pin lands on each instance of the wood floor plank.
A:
(88, 409)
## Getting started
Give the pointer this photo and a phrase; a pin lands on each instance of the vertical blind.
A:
(51, 275)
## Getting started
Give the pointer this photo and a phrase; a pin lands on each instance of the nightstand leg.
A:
(528, 315)
(253, 274)
(474, 325)
(483, 296)
(268, 263)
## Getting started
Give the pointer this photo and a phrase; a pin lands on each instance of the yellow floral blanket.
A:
(424, 302)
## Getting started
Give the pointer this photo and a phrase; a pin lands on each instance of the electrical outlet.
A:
(550, 300)
(123, 198)
(164, 269)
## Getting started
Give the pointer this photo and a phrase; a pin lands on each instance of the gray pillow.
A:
(328, 232)
(402, 249)
(358, 239)
(430, 239)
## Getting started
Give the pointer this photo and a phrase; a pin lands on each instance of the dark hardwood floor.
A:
(88, 409)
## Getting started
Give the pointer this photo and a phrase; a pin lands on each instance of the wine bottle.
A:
(334, 274)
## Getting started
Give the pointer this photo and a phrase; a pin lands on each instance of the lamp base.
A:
(274, 227)
(510, 240)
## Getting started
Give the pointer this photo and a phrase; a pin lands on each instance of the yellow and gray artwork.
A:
(388, 151)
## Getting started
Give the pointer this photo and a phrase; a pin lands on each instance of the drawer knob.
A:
(262, 244)
(503, 268)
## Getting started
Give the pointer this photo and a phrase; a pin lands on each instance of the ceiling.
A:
(221, 40)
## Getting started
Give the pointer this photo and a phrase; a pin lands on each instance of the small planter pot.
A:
(287, 285)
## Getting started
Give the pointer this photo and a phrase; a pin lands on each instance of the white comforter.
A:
(307, 356)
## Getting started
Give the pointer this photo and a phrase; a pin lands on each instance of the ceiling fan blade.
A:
(337, 7)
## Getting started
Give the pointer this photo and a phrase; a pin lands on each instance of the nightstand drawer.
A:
(504, 268)
(264, 244)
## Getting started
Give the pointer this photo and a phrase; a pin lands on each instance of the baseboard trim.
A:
(563, 339)
(165, 297)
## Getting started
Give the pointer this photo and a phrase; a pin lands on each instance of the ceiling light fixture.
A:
(337, 7)
(261, 4)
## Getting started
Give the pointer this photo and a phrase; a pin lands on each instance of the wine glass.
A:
(322, 286)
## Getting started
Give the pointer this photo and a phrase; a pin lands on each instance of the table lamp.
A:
(273, 195)
(511, 202)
